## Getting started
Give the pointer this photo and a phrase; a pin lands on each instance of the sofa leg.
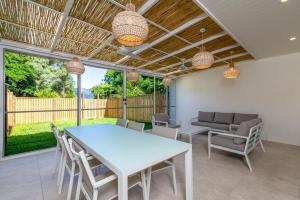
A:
(262, 146)
(248, 162)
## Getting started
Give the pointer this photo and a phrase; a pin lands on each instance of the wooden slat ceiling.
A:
(88, 25)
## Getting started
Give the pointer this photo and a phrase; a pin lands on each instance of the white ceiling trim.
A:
(189, 60)
(168, 35)
(62, 22)
(34, 50)
(217, 61)
(149, 4)
(205, 9)
(216, 36)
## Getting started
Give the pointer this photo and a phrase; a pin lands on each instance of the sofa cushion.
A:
(244, 129)
(206, 116)
(223, 118)
(212, 125)
(240, 117)
(227, 142)
(163, 117)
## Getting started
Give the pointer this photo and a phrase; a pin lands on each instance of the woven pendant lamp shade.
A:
(203, 59)
(133, 76)
(231, 72)
(167, 81)
(75, 66)
(129, 27)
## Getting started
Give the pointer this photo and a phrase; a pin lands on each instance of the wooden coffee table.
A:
(192, 130)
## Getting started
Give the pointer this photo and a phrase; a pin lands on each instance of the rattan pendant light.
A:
(133, 76)
(74, 66)
(129, 27)
(167, 81)
(231, 72)
(203, 59)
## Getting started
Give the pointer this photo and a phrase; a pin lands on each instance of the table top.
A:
(125, 150)
(190, 130)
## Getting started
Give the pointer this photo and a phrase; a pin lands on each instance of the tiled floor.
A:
(276, 176)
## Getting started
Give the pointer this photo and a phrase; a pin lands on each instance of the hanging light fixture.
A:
(231, 72)
(129, 27)
(167, 81)
(203, 59)
(74, 66)
(133, 75)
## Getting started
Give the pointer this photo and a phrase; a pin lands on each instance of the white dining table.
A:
(126, 151)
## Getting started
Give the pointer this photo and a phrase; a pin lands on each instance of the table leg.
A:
(122, 187)
(191, 138)
(189, 175)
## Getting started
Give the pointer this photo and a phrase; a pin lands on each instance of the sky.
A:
(91, 77)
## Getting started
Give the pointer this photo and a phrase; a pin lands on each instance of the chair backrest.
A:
(163, 117)
(165, 132)
(57, 135)
(66, 148)
(78, 152)
(254, 137)
(136, 126)
(121, 122)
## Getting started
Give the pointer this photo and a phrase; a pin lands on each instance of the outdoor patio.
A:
(276, 176)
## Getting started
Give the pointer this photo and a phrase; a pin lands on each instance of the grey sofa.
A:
(221, 121)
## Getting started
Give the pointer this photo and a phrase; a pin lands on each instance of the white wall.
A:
(269, 87)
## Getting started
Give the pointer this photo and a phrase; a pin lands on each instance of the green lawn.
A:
(30, 137)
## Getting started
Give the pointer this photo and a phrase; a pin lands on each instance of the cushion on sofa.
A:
(212, 125)
(240, 117)
(206, 116)
(227, 142)
(244, 129)
(223, 118)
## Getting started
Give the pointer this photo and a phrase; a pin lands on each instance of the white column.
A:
(124, 95)
(154, 95)
(167, 100)
(2, 96)
(78, 100)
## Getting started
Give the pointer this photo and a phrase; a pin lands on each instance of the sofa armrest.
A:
(226, 133)
(233, 127)
(194, 119)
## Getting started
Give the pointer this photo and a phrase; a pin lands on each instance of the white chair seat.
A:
(110, 190)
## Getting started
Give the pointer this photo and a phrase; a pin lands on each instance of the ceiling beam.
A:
(217, 61)
(216, 36)
(190, 59)
(45, 52)
(149, 4)
(102, 45)
(62, 22)
(166, 36)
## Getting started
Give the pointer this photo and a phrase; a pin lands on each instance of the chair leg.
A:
(95, 195)
(72, 174)
(60, 167)
(248, 162)
(56, 160)
(174, 179)
(149, 171)
(209, 152)
(61, 178)
(144, 186)
(78, 187)
(262, 146)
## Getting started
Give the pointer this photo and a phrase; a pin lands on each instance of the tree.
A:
(103, 90)
(37, 76)
(20, 75)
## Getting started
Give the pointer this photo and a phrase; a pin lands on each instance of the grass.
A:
(36, 136)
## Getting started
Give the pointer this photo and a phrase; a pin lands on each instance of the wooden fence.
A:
(33, 110)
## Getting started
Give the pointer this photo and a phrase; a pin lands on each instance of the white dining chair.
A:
(69, 164)
(103, 186)
(59, 153)
(122, 122)
(170, 133)
(136, 126)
